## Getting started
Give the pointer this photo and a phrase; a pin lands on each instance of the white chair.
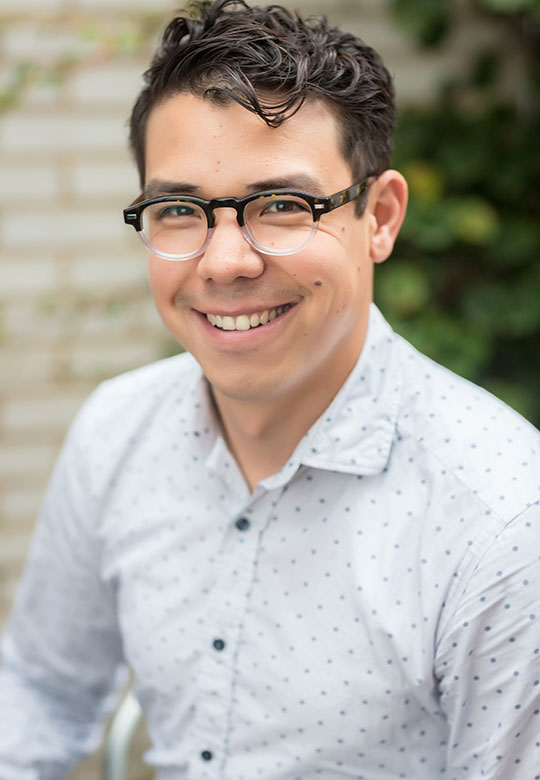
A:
(120, 736)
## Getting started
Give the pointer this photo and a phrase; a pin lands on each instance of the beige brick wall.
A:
(74, 306)
(73, 301)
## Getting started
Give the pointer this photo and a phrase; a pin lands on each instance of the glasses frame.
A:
(319, 206)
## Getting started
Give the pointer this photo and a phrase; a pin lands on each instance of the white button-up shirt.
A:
(371, 611)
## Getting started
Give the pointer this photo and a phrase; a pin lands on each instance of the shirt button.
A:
(242, 523)
(206, 755)
(219, 644)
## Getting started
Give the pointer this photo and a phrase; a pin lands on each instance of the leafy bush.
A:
(464, 281)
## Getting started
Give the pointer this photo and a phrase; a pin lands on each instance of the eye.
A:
(176, 210)
(284, 206)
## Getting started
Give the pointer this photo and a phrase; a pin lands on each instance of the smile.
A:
(246, 321)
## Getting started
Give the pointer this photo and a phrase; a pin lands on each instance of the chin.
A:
(241, 391)
(244, 388)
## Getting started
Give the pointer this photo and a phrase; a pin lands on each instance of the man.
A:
(316, 549)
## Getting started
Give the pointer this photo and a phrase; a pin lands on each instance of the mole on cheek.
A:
(318, 283)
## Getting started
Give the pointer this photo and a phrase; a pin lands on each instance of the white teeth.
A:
(245, 321)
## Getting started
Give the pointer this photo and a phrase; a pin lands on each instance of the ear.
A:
(386, 206)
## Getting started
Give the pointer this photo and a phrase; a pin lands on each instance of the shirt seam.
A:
(492, 537)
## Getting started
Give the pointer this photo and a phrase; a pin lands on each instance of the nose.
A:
(228, 254)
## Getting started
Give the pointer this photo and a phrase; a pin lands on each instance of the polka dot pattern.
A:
(370, 611)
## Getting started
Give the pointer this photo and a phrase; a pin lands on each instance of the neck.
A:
(262, 435)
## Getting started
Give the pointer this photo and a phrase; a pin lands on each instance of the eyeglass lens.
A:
(276, 222)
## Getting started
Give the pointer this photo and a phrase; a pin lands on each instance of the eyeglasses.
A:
(179, 227)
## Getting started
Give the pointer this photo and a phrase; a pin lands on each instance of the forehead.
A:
(192, 139)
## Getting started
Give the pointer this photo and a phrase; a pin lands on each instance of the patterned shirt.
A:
(371, 611)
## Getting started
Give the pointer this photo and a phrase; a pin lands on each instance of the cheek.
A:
(165, 279)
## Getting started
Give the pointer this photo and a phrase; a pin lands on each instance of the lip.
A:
(256, 308)
(243, 336)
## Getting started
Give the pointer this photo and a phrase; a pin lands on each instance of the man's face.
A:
(326, 287)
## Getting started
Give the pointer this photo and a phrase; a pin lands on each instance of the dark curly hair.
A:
(270, 60)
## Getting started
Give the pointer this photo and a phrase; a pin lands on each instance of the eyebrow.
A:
(299, 181)
(155, 188)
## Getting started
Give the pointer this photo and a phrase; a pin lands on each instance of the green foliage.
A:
(510, 6)
(464, 281)
(94, 42)
(427, 20)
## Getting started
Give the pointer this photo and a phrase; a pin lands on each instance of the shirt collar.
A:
(356, 431)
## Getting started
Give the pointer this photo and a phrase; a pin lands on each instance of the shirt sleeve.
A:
(61, 653)
(488, 661)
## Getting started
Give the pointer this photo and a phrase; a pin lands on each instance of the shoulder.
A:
(160, 378)
(123, 407)
(492, 450)
(128, 424)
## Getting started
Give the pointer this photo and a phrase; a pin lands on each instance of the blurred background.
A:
(464, 281)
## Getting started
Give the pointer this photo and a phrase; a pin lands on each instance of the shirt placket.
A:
(222, 634)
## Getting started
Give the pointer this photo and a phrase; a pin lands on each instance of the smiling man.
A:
(316, 549)
(310, 307)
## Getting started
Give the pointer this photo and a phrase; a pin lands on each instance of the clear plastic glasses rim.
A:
(311, 206)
